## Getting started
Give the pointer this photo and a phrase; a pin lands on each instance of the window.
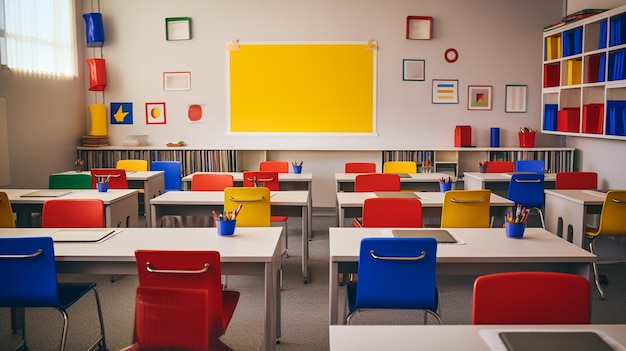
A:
(38, 38)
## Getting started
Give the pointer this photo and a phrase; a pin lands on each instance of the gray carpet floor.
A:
(304, 306)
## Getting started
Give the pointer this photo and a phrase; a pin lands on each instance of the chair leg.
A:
(596, 276)
(286, 240)
(102, 344)
(543, 222)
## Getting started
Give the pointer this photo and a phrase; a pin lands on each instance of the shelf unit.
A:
(584, 77)
(192, 160)
(455, 161)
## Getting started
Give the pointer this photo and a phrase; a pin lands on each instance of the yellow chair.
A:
(6, 212)
(400, 167)
(466, 209)
(132, 165)
(611, 224)
(255, 210)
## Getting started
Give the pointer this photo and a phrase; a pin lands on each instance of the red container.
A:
(568, 120)
(462, 136)
(526, 139)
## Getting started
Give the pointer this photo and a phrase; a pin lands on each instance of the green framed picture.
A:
(178, 28)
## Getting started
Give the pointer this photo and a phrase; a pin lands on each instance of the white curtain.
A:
(41, 38)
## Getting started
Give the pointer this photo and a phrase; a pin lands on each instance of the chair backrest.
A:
(381, 212)
(198, 270)
(360, 167)
(28, 267)
(255, 211)
(132, 165)
(117, 177)
(397, 273)
(613, 214)
(536, 166)
(576, 180)
(265, 178)
(531, 298)
(274, 166)
(400, 167)
(73, 213)
(211, 181)
(377, 182)
(69, 181)
(6, 212)
(500, 166)
(172, 173)
(526, 189)
(466, 209)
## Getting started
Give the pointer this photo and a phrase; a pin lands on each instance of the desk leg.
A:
(571, 213)
(153, 187)
(341, 216)
(306, 228)
(123, 213)
(333, 284)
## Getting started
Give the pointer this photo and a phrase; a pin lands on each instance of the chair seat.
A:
(229, 303)
(278, 218)
(351, 291)
(69, 293)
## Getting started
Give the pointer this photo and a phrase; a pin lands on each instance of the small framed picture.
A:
(479, 97)
(413, 69)
(173, 81)
(178, 28)
(155, 113)
(445, 91)
(516, 98)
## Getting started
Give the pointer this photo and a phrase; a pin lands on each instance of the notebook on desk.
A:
(441, 235)
(396, 194)
(46, 193)
(554, 341)
(82, 235)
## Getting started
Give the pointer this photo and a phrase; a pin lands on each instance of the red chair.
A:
(385, 212)
(360, 167)
(73, 213)
(531, 298)
(500, 166)
(211, 182)
(377, 182)
(188, 293)
(576, 180)
(117, 177)
(274, 166)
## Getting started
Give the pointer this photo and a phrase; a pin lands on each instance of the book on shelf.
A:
(574, 68)
(592, 118)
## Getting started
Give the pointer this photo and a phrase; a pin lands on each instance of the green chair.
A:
(69, 181)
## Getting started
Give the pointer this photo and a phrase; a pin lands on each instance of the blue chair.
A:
(395, 273)
(536, 166)
(526, 189)
(172, 173)
(28, 268)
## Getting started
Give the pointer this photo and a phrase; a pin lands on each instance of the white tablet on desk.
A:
(82, 235)
(47, 193)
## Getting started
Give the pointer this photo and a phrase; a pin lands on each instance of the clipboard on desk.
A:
(554, 341)
(83, 235)
(441, 235)
(46, 193)
(404, 194)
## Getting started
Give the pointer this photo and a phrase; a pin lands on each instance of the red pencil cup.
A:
(526, 139)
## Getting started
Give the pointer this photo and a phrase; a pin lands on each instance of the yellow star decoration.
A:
(120, 115)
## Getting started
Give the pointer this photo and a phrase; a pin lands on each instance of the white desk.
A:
(293, 203)
(153, 183)
(449, 337)
(486, 250)
(498, 182)
(288, 181)
(350, 204)
(120, 206)
(412, 181)
(571, 207)
(251, 251)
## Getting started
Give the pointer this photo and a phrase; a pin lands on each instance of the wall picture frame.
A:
(479, 97)
(516, 98)
(178, 28)
(413, 70)
(174, 81)
(445, 91)
(155, 113)
(419, 27)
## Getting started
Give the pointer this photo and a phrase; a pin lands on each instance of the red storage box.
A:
(462, 136)
(592, 118)
(526, 139)
(97, 74)
(568, 120)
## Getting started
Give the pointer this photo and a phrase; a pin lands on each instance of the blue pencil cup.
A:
(102, 187)
(226, 227)
(297, 169)
(514, 230)
(443, 187)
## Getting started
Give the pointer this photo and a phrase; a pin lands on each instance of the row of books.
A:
(616, 65)
(554, 161)
(568, 119)
(617, 33)
(572, 42)
(421, 157)
(616, 117)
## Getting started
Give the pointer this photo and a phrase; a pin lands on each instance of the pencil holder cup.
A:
(297, 169)
(102, 187)
(526, 139)
(514, 230)
(225, 228)
(482, 169)
(443, 187)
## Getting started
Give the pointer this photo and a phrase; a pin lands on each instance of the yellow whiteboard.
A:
(302, 88)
